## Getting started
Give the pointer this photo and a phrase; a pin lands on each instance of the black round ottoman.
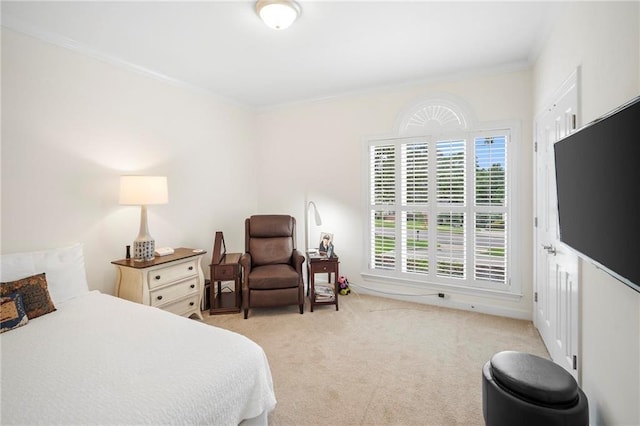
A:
(524, 389)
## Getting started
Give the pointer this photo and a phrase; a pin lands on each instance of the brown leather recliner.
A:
(272, 266)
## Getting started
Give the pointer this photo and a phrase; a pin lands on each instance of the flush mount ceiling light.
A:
(278, 14)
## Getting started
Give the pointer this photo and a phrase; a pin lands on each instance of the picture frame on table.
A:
(325, 246)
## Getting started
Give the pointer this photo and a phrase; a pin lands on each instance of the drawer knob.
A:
(157, 277)
(191, 268)
(193, 286)
(159, 297)
(191, 303)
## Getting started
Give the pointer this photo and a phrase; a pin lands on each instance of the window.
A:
(438, 208)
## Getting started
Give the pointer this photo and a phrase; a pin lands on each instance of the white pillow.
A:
(66, 275)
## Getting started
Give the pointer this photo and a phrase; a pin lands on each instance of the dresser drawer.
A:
(169, 274)
(163, 295)
(324, 267)
(224, 272)
(183, 306)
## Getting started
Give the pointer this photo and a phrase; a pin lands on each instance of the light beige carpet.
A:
(379, 361)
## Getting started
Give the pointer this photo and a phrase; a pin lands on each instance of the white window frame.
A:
(464, 128)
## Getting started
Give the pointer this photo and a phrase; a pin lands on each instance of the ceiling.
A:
(334, 48)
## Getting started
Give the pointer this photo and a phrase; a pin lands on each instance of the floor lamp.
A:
(318, 222)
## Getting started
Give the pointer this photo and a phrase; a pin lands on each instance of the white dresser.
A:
(173, 282)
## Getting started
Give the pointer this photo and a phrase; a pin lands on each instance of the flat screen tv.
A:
(598, 187)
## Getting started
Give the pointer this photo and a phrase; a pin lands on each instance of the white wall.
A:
(322, 142)
(71, 125)
(604, 40)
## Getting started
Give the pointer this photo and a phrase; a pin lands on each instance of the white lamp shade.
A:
(143, 190)
(278, 14)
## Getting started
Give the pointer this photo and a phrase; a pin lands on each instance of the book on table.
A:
(324, 293)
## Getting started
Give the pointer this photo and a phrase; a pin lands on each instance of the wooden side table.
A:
(322, 264)
(227, 270)
(173, 282)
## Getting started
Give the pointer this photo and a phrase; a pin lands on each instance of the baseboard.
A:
(447, 302)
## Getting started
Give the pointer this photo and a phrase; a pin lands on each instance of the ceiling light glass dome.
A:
(278, 14)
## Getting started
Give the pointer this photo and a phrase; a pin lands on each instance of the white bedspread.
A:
(102, 360)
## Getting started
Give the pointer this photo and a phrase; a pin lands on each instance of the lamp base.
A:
(144, 250)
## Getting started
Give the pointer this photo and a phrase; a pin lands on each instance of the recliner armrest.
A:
(245, 261)
(297, 259)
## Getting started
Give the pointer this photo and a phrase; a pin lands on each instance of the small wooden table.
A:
(319, 264)
(227, 270)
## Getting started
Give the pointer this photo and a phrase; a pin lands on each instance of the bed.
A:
(98, 359)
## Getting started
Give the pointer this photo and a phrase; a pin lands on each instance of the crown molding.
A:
(19, 26)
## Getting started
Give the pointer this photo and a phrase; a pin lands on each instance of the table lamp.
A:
(143, 191)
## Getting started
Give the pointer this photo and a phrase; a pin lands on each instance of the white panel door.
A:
(556, 283)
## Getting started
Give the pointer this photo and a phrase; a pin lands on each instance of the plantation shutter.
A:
(382, 166)
(415, 197)
(438, 209)
(451, 185)
(490, 232)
